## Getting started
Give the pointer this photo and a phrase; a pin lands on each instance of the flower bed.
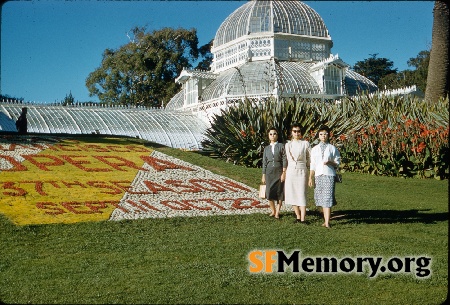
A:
(411, 149)
(62, 180)
(169, 187)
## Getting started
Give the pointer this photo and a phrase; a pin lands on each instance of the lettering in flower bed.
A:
(142, 207)
(70, 181)
(181, 192)
(40, 181)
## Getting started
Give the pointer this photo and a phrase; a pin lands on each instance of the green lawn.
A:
(204, 259)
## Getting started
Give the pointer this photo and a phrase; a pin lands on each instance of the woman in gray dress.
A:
(274, 165)
(325, 159)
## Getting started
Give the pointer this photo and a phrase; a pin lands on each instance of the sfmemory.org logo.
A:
(277, 261)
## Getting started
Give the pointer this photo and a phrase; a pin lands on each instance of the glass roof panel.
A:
(176, 102)
(219, 86)
(170, 128)
(297, 79)
(261, 17)
(261, 78)
(356, 83)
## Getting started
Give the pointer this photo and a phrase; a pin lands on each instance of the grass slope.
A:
(204, 259)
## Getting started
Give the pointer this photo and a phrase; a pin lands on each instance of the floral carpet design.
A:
(62, 180)
(169, 187)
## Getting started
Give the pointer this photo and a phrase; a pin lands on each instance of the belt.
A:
(301, 165)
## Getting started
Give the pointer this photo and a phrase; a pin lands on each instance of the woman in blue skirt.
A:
(325, 159)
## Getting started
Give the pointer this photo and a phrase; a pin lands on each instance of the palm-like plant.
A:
(239, 134)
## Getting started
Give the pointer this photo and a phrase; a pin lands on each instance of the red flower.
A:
(421, 147)
(243, 133)
(444, 135)
(425, 133)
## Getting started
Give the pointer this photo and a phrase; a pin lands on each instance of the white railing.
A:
(399, 91)
(394, 92)
(7, 101)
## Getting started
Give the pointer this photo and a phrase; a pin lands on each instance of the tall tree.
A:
(205, 52)
(374, 68)
(10, 98)
(68, 100)
(417, 76)
(142, 72)
(438, 70)
(420, 73)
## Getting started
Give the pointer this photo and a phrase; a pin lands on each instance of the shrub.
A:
(381, 135)
(239, 133)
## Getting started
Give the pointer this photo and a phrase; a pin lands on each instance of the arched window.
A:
(333, 80)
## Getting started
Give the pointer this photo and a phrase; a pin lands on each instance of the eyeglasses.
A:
(296, 130)
(323, 134)
(272, 134)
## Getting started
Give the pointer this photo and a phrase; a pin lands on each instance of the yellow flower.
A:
(67, 182)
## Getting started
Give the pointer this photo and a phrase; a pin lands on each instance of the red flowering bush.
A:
(412, 149)
(381, 135)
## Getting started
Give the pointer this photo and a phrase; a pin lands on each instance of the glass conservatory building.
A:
(269, 49)
(170, 128)
(264, 49)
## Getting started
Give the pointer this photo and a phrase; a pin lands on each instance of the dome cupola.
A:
(256, 17)
(259, 30)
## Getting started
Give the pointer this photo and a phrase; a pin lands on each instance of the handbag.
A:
(262, 191)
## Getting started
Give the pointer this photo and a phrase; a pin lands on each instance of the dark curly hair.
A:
(323, 127)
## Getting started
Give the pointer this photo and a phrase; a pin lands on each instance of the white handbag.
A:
(262, 191)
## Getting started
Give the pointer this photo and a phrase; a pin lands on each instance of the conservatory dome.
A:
(256, 17)
(269, 49)
(261, 30)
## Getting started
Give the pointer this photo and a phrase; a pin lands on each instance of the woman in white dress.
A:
(296, 183)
